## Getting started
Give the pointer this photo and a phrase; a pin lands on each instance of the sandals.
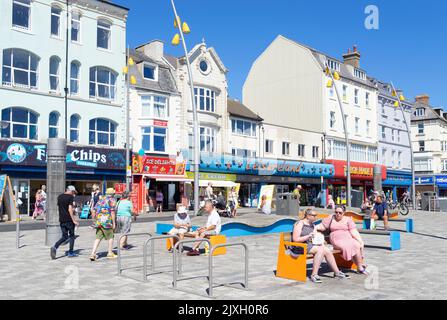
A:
(315, 279)
(93, 257)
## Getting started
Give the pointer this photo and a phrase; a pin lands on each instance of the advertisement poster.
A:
(266, 199)
(237, 188)
(158, 165)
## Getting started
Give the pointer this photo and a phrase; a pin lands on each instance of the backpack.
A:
(103, 216)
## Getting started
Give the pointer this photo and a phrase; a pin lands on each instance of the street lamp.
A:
(398, 104)
(331, 84)
(129, 81)
(184, 29)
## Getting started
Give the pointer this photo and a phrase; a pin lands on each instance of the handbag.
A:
(327, 232)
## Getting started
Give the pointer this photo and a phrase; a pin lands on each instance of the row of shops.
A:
(432, 183)
(25, 164)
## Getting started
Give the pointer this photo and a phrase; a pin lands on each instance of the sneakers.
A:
(193, 253)
(315, 279)
(341, 275)
(72, 255)
(111, 256)
(53, 253)
(364, 272)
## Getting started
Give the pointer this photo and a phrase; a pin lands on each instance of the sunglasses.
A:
(339, 212)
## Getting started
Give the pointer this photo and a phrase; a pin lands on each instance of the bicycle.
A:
(400, 206)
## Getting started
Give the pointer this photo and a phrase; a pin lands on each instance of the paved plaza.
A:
(415, 272)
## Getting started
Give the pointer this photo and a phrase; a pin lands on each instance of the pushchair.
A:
(85, 213)
(222, 208)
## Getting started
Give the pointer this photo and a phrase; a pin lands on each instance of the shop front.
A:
(165, 175)
(25, 164)
(397, 183)
(437, 184)
(251, 174)
(362, 179)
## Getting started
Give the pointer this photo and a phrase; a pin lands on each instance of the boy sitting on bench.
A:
(212, 228)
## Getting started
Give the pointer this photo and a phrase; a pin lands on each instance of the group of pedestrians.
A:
(109, 216)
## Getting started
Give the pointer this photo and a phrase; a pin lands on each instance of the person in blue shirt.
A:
(380, 211)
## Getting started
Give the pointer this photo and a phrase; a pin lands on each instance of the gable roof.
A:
(236, 108)
(196, 51)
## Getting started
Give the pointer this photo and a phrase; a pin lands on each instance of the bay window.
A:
(208, 139)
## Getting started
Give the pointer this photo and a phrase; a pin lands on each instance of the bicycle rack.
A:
(119, 259)
(147, 242)
(177, 272)
(230, 285)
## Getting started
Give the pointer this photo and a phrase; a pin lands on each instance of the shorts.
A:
(105, 234)
(232, 205)
(380, 215)
(123, 224)
(211, 233)
(175, 231)
(159, 202)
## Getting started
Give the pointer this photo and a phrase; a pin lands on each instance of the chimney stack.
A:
(352, 58)
(423, 99)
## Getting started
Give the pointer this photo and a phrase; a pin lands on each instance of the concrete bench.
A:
(295, 268)
(394, 237)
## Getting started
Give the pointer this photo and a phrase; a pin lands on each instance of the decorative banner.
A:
(264, 167)
(34, 154)
(213, 176)
(157, 165)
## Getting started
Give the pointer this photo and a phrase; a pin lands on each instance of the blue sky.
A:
(409, 48)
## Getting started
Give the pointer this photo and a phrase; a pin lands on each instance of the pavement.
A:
(415, 272)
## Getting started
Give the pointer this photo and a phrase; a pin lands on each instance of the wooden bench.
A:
(215, 240)
(292, 268)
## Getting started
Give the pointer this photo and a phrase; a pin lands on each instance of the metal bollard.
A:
(18, 232)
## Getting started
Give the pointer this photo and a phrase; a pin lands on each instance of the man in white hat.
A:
(182, 224)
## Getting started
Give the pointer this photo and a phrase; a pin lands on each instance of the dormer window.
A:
(420, 112)
(150, 72)
(333, 65)
(359, 74)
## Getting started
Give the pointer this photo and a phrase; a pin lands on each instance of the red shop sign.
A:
(159, 123)
(360, 171)
(157, 165)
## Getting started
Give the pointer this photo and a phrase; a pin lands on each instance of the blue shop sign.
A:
(424, 180)
(441, 181)
(264, 167)
(398, 179)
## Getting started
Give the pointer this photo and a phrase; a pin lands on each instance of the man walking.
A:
(67, 221)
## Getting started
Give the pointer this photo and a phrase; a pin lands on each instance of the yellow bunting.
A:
(175, 22)
(133, 80)
(327, 70)
(329, 83)
(125, 70)
(402, 98)
(176, 40)
(336, 76)
(130, 62)
(185, 28)
(396, 104)
(394, 93)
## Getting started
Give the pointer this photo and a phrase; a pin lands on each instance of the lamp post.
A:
(331, 84)
(184, 29)
(398, 104)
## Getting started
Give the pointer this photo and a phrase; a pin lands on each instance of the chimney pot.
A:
(423, 99)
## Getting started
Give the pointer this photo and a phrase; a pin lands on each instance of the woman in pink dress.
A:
(38, 205)
(344, 236)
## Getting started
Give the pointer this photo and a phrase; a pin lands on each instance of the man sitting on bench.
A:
(182, 225)
(380, 211)
(212, 228)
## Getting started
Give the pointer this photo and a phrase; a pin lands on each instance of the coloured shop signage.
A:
(158, 165)
(17, 153)
(264, 167)
(424, 180)
(397, 179)
(359, 171)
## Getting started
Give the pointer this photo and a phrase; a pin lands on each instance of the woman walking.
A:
(233, 201)
(159, 198)
(124, 212)
(38, 205)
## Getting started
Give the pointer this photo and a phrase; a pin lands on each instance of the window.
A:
(393, 157)
(75, 27)
(367, 99)
(154, 106)
(383, 109)
(420, 112)
(393, 135)
(356, 96)
(383, 133)
(55, 21)
(384, 157)
(333, 65)
(243, 153)
(421, 128)
(345, 94)
(368, 127)
(315, 152)
(53, 125)
(205, 99)
(208, 139)
(74, 128)
(301, 150)
(150, 72)
(398, 136)
(204, 66)
(332, 120)
(103, 35)
(102, 132)
(285, 148)
(269, 146)
(242, 127)
(444, 164)
(443, 145)
(21, 123)
(423, 165)
(74, 78)
(399, 159)
(421, 146)
(102, 83)
(359, 74)
(21, 13)
(20, 68)
(54, 73)
(357, 125)
(154, 139)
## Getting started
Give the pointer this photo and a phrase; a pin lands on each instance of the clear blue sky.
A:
(409, 48)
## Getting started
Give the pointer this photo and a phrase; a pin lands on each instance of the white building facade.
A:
(33, 63)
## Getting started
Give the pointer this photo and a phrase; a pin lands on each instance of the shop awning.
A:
(168, 178)
(217, 183)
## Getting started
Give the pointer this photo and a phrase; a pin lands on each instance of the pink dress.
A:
(341, 237)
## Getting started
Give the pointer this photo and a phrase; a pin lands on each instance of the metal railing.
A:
(150, 240)
(231, 285)
(177, 270)
(119, 259)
